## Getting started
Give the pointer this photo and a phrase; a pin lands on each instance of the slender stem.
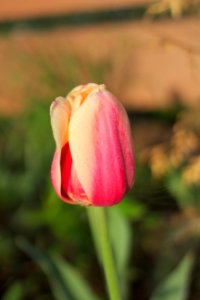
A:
(99, 228)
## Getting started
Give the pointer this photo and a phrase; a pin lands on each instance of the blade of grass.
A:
(175, 286)
(65, 281)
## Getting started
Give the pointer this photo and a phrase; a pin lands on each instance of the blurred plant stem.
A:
(99, 227)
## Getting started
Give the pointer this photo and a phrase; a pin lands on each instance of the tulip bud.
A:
(93, 163)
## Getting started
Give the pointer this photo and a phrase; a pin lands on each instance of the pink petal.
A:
(70, 184)
(64, 178)
(56, 176)
(101, 147)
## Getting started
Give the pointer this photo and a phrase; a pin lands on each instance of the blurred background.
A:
(148, 54)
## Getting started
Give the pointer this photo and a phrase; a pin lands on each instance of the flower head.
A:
(93, 163)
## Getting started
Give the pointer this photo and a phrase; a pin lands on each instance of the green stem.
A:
(99, 228)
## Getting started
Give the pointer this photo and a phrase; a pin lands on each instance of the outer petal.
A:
(56, 176)
(60, 112)
(101, 147)
(70, 184)
(64, 178)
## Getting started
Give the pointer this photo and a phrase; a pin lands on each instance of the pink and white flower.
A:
(93, 163)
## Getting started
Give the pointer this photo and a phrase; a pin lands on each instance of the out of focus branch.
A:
(175, 7)
(169, 41)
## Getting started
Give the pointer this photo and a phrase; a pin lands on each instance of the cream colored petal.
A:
(60, 112)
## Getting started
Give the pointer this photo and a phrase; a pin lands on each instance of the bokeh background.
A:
(148, 54)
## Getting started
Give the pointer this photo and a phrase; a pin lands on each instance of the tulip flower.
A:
(93, 163)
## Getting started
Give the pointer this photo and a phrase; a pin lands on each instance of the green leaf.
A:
(179, 237)
(175, 286)
(179, 190)
(14, 292)
(120, 234)
(65, 281)
(132, 208)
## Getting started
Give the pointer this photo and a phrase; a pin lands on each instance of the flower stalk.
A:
(99, 228)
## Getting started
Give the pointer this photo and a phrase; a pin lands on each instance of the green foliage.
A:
(175, 286)
(118, 223)
(65, 281)
(185, 196)
(15, 292)
(121, 243)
